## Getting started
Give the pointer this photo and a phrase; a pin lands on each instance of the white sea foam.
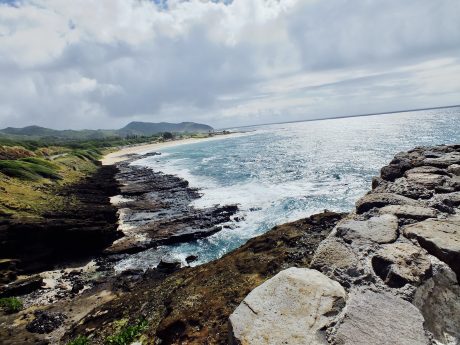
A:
(280, 173)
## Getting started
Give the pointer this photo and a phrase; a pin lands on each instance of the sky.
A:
(103, 63)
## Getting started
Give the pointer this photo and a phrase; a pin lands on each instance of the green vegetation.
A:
(127, 334)
(80, 340)
(11, 304)
(29, 170)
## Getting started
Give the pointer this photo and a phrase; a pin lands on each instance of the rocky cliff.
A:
(387, 274)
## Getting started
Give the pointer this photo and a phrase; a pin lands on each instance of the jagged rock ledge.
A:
(387, 274)
(154, 209)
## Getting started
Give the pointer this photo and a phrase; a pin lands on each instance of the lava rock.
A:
(45, 322)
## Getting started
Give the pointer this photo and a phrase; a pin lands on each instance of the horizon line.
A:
(345, 116)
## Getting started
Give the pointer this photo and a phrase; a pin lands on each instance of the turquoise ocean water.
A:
(283, 172)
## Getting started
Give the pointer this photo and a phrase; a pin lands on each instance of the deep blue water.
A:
(279, 173)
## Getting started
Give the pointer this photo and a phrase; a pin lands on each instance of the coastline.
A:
(125, 153)
(419, 189)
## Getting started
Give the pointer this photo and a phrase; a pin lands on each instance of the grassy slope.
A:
(32, 197)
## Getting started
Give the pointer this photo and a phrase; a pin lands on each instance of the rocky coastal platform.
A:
(154, 209)
(388, 273)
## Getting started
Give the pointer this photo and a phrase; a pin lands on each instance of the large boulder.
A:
(372, 200)
(293, 307)
(398, 264)
(380, 319)
(381, 229)
(440, 237)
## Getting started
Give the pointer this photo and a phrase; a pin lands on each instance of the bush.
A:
(11, 304)
(80, 340)
(127, 334)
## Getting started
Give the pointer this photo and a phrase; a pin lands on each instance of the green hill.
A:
(132, 129)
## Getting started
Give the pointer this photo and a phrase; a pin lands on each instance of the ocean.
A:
(283, 172)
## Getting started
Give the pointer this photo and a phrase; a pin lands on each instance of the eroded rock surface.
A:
(381, 229)
(293, 307)
(441, 237)
(380, 319)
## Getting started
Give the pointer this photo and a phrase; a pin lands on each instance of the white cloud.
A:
(103, 63)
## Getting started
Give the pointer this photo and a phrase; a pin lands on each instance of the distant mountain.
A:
(133, 128)
(149, 128)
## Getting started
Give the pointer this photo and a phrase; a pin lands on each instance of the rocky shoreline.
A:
(155, 210)
(385, 273)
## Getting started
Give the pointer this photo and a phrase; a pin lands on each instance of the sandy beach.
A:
(125, 152)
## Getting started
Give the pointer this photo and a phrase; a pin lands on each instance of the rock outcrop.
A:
(397, 257)
(155, 209)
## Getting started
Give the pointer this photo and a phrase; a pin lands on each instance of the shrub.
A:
(127, 334)
(14, 152)
(80, 340)
(11, 304)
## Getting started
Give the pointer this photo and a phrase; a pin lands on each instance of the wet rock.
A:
(380, 319)
(398, 264)
(381, 229)
(407, 211)
(45, 322)
(440, 237)
(439, 302)
(372, 200)
(191, 258)
(21, 287)
(291, 308)
(168, 265)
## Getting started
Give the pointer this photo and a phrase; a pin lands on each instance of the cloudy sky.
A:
(104, 63)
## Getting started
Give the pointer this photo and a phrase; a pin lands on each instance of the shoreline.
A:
(125, 153)
(418, 190)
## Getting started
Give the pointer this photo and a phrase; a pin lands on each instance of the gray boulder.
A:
(380, 319)
(293, 308)
(381, 229)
